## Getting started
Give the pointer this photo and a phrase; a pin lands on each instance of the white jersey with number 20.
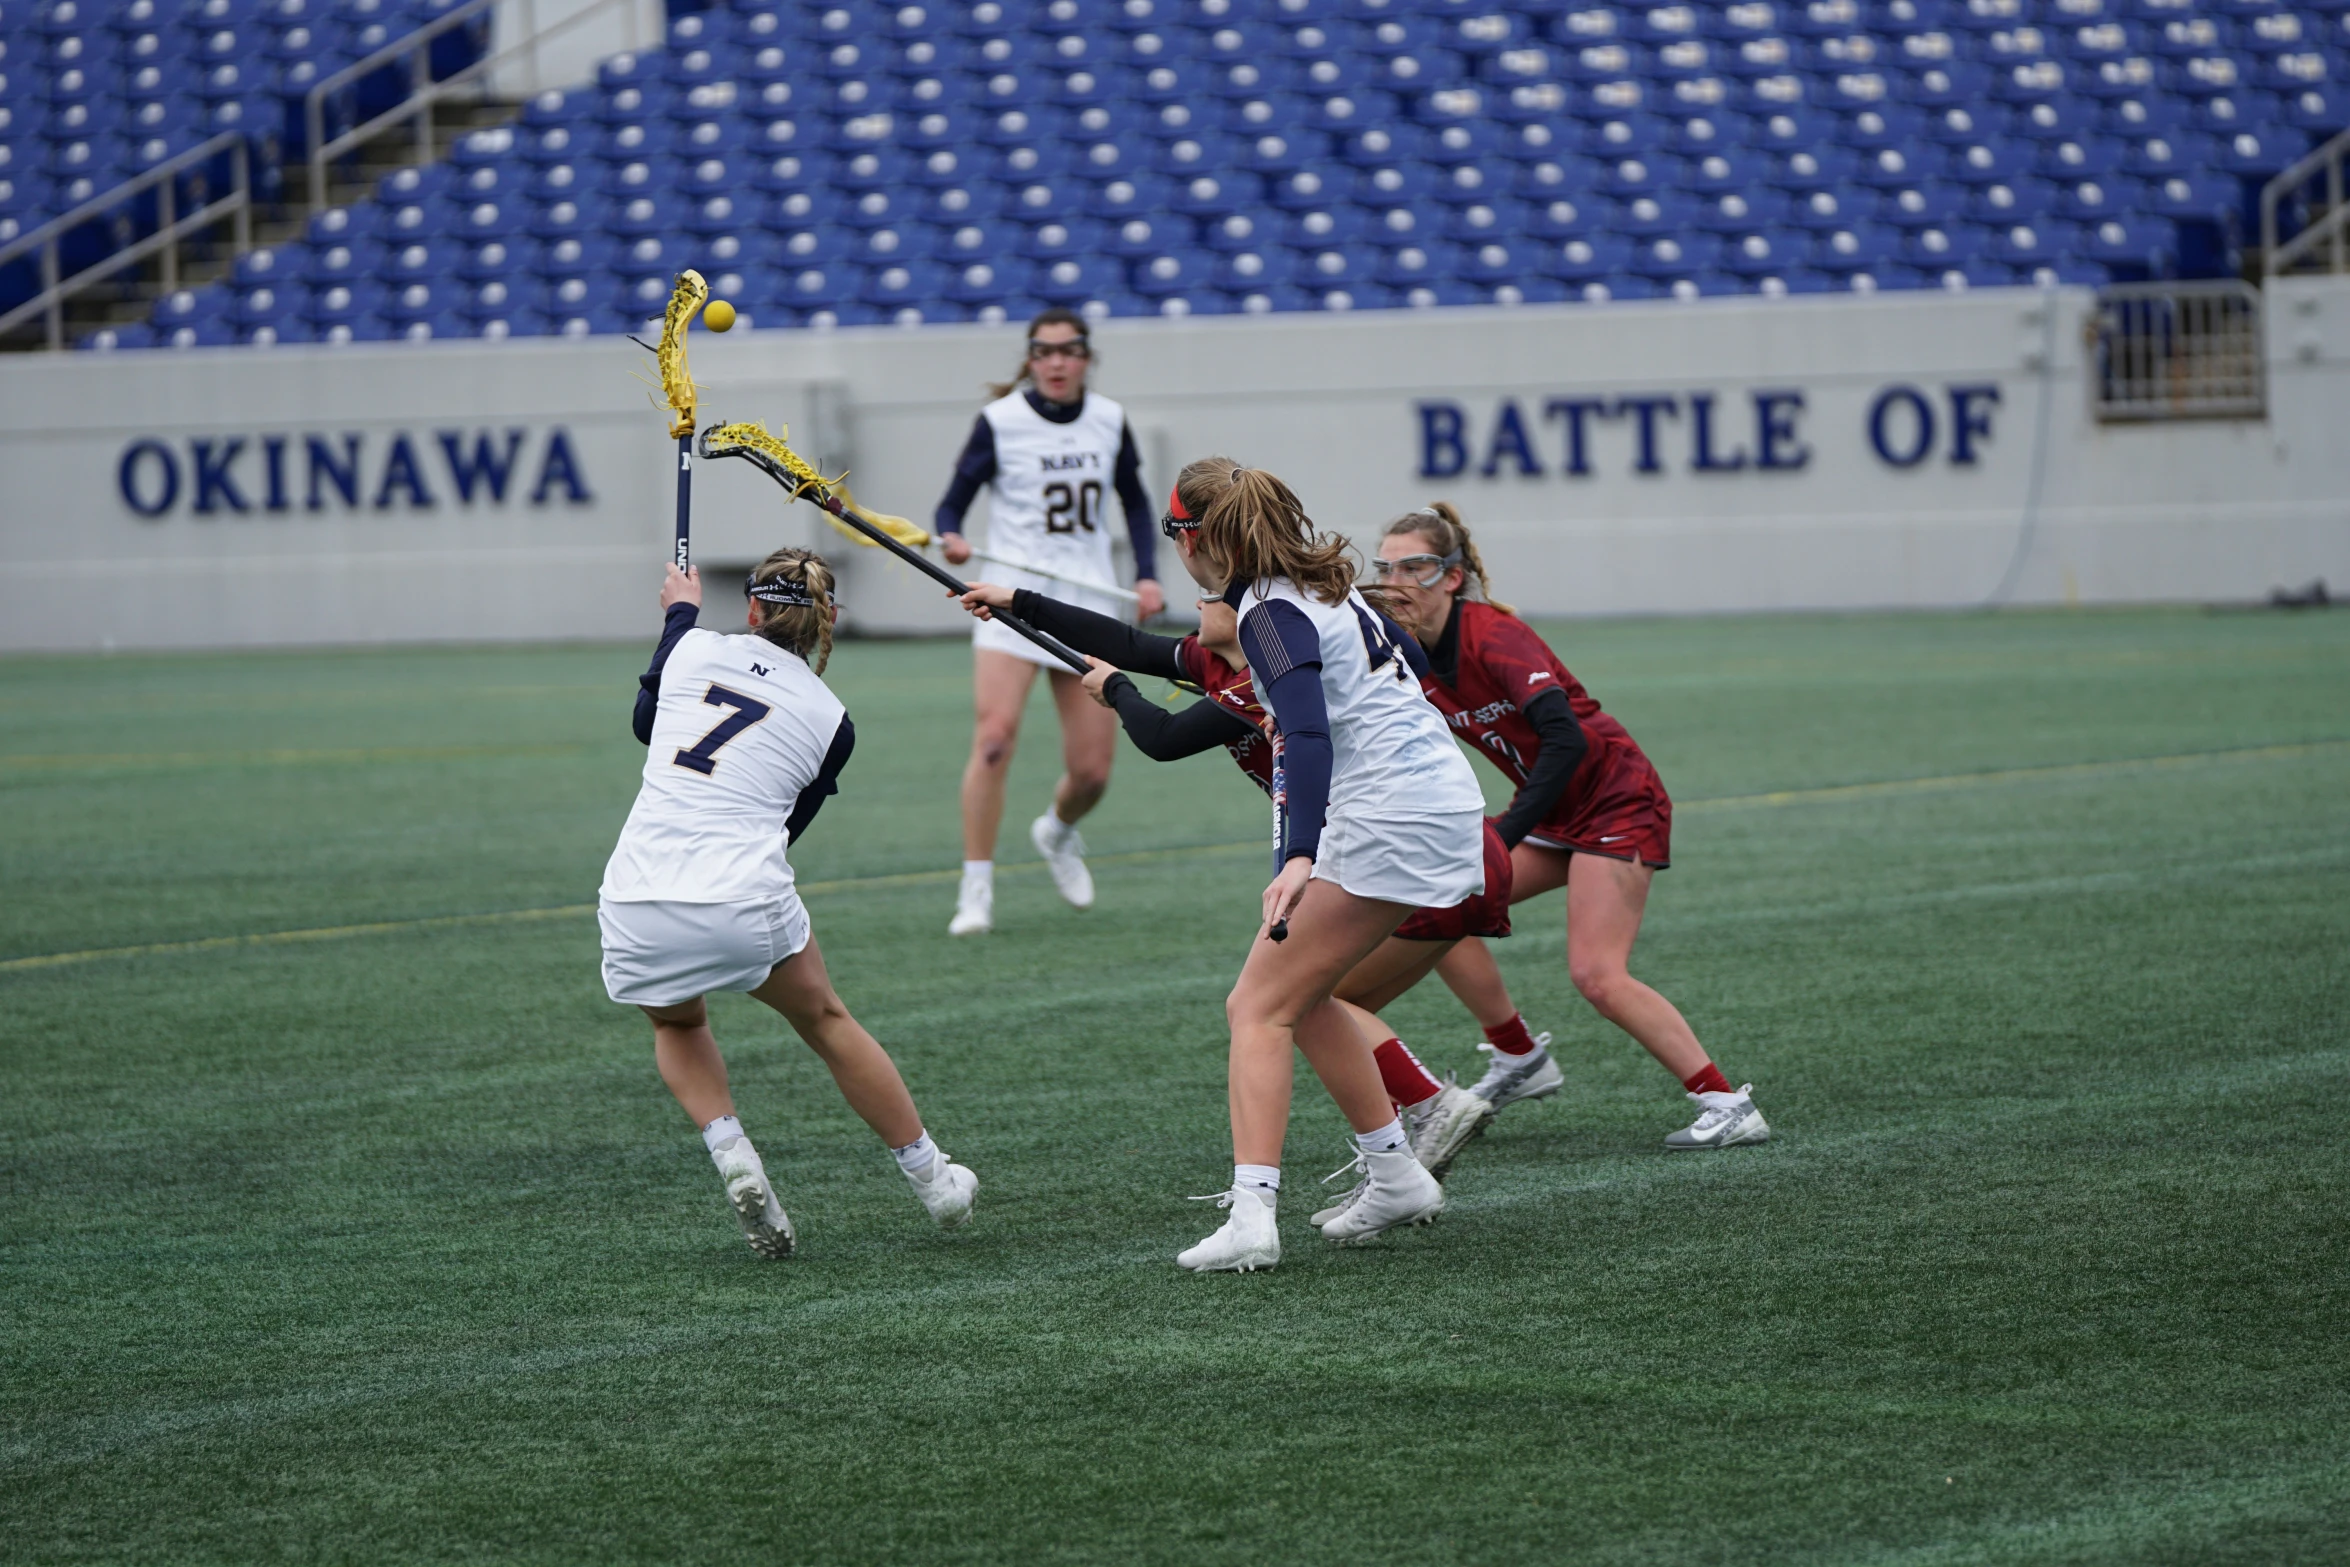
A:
(741, 728)
(1050, 499)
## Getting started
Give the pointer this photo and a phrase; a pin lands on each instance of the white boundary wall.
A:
(208, 498)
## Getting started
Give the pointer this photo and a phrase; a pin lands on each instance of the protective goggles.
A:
(779, 590)
(1423, 571)
(1075, 348)
(1176, 521)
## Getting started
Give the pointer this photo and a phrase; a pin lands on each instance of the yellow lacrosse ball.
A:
(718, 315)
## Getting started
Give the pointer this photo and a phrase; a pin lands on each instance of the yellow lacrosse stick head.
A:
(777, 457)
(677, 386)
(750, 436)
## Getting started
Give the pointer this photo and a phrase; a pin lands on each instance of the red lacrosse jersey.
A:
(1235, 691)
(1502, 663)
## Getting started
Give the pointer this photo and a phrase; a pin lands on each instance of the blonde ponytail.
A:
(1251, 526)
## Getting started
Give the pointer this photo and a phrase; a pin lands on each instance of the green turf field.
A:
(383, 1242)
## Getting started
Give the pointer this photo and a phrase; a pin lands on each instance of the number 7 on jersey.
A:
(703, 755)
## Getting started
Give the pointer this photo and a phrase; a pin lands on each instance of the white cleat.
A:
(1723, 1121)
(752, 1197)
(1446, 1124)
(1396, 1191)
(1248, 1241)
(1509, 1078)
(1353, 1167)
(948, 1192)
(974, 908)
(1063, 848)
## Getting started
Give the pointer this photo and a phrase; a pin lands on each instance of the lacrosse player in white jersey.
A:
(1376, 814)
(745, 742)
(1051, 453)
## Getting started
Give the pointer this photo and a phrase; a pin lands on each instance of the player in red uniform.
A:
(1590, 813)
(1440, 1117)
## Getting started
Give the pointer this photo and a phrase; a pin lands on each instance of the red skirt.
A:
(1487, 914)
(1625, 815)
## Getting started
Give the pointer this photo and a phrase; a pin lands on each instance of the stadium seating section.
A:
(946, 160)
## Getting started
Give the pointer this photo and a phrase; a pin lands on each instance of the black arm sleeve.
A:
(1563, 745)
(1142, 529)
(1126, 646)
(1169, 737)
(972, 471)
(826, 782)
(675, 624)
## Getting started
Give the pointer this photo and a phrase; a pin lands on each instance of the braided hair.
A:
(793, 591)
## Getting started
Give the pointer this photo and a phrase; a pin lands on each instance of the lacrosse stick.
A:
(677, 389)
(1127, 594)
(753, 443)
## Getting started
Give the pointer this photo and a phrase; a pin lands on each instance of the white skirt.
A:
(995, 637)
(659, 954)
(1422, 862)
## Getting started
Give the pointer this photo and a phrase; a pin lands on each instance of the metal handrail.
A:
(2334, 225)
(55, 291)
(423, 91)
(2192, 349)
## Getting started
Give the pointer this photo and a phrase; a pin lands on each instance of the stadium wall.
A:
(1906, 450)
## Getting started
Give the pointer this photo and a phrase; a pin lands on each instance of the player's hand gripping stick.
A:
(767, 452)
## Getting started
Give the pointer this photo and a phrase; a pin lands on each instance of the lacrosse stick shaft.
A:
(1127, 595)
(948, 580)
(685, 500)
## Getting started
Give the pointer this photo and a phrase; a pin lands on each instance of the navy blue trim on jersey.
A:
(826, 782)
(1413, 654)
(675, 624)
(1285, 654)
(1142, 529)
(976, 468)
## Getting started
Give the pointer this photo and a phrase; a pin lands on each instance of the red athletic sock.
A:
(1408, 1082)
(1708, 1080)
(1511, 1038)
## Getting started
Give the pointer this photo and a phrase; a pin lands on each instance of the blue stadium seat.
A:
(1429, 148)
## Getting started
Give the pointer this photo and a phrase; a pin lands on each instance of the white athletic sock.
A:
(917, 1157)
(726, 1129)
(1387, 1139)
(1262, 1180)
(978, 871)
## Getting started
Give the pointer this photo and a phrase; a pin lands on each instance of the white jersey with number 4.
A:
(741, 728)
(1049, 502)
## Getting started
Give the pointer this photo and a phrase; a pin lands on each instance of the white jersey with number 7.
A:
(741, 728)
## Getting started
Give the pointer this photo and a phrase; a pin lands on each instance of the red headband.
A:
(1175, 506)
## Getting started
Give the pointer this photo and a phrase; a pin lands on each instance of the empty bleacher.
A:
(840, 164)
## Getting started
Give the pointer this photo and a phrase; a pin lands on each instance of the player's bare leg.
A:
(687, 1054)
(1283, 986)
(999, 694)
(1089, 738)
(1605, 902)
(1282, 1000)
(1474, 978)
(801, 990)
(1440, 1117)
(1518, 1064)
